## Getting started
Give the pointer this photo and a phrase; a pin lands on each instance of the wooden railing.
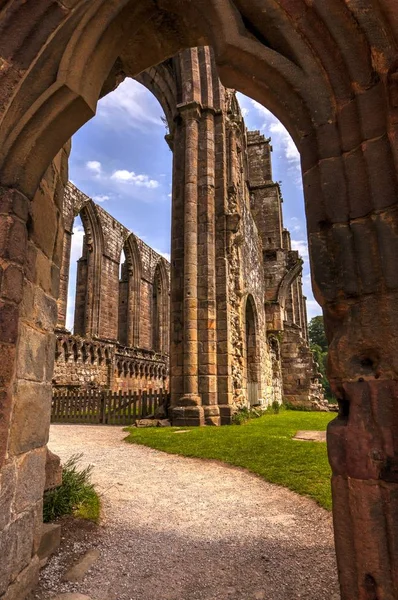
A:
(105, 407)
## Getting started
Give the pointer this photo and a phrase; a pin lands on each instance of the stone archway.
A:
(251, 352)
(329, 72)
(129, 295)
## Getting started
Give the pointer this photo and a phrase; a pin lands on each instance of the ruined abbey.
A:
(250, 339)
(328, 70)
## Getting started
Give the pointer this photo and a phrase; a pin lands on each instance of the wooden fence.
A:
(105, 407)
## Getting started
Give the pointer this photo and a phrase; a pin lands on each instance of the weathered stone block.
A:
(31, 416)
(30, 479)
(11, 283)
(16, 544)
(7, 490)
(13, 202)
(53, 470)
(25, 582)
(31, 353)
(50, 540)
(9, 314)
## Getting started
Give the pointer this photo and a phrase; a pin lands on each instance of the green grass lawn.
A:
(263, 446)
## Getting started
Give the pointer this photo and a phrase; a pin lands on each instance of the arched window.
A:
(80, 278)
(129, 294)
(160, 309)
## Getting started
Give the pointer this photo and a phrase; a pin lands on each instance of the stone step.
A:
(79, 569)
(50, 541)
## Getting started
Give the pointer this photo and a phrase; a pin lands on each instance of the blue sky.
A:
(121, 160)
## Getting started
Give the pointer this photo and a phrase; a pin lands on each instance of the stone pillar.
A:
(224, 346)
(81, 320)
(207, 334)
(188, 409)
(30, 252)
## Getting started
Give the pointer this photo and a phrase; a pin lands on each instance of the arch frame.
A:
(328, 70)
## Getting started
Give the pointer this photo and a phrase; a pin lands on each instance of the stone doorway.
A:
(329, 72)
(251, 353)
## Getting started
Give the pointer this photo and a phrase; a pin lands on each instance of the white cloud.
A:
(130, 105)
(301, 246)
(294, 225)
(245, 111)
(77, 243)
(313, 309)
(101, 198)
(141, 180)
(94, 166)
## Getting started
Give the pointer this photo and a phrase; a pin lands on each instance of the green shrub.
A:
(76, 496)
(241, 416)
(275, 406)
(299, 407)
(244, 414)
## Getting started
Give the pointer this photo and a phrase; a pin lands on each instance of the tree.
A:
(319, 347)
(316, 331)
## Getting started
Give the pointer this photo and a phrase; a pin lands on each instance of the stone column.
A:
(224, 346)
(29, 277)
(187, 409)
(207, 334)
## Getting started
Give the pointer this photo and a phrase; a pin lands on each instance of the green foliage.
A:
(319, 347)
(244, 414)
(299, 407)
(76, 496)
(263, 446)
(275, 407)
(316, 332)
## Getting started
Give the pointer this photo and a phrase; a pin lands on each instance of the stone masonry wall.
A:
(282, 274)
(98, 304)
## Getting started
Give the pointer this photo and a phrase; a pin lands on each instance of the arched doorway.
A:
(329, 72)
(251, 352)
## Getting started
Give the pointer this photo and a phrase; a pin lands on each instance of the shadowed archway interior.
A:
(328, 71)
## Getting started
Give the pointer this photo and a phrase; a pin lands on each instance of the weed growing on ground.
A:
(76, 496)
(244, 414)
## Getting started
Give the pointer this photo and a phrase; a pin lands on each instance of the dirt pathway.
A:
(185, 529)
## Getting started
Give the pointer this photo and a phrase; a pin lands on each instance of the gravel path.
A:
(186, 529)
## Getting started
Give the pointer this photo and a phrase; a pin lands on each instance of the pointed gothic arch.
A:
(251, 351)
(88, 283)
(328, 71)
(160, 308)
(129, 294)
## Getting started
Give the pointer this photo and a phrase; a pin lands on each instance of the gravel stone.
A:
(175, 528)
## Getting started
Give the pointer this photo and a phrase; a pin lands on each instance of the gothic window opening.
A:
(71, 274)
(129, 294)
(159, 310)
(123, 301)
(251, 353)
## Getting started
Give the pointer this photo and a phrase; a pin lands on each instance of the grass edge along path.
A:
(263, 446)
